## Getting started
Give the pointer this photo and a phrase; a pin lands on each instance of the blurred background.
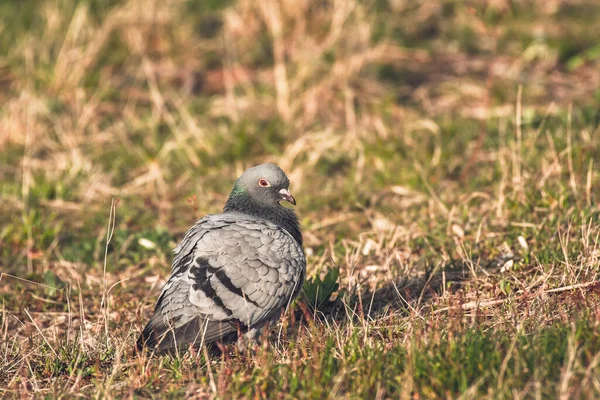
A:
(432, 145)
(413, 121)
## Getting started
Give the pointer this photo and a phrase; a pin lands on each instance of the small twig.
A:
(211, 378)
(488, 303)
(429, 188)
(29, 281)
(40, 331)
(588, 183)
(571, 287)
(572, 180)
(414, 310)
(508, 356)
(518, 154)
(116, 283)
(109, 234)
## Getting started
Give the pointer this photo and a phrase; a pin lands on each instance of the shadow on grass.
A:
(408, 295)
(401, 296)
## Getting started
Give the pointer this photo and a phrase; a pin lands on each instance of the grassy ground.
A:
(445, 156)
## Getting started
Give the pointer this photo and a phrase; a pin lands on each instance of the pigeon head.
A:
(265, 185)
(259, 192)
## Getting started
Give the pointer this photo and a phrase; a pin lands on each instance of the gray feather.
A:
(231, 272)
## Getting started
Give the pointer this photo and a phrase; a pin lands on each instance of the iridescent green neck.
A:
(240, 201)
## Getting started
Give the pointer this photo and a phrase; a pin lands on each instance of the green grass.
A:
(444, 156)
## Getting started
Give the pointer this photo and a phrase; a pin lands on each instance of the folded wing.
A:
(230, 274)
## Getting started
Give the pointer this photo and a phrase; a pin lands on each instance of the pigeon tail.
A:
(160, 337)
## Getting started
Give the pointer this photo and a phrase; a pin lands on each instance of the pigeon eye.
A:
(264, 183)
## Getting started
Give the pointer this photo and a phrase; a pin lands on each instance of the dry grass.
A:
(444, 155)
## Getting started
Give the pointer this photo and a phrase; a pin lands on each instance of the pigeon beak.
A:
(287, 196)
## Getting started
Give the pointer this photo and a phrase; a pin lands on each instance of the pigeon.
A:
(233, 273)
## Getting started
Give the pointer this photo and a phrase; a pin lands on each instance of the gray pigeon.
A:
(233, 272)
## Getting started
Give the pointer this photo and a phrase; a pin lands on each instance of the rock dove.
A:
(233, 272)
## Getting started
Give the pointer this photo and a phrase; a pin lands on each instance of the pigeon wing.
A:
(230, 273)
